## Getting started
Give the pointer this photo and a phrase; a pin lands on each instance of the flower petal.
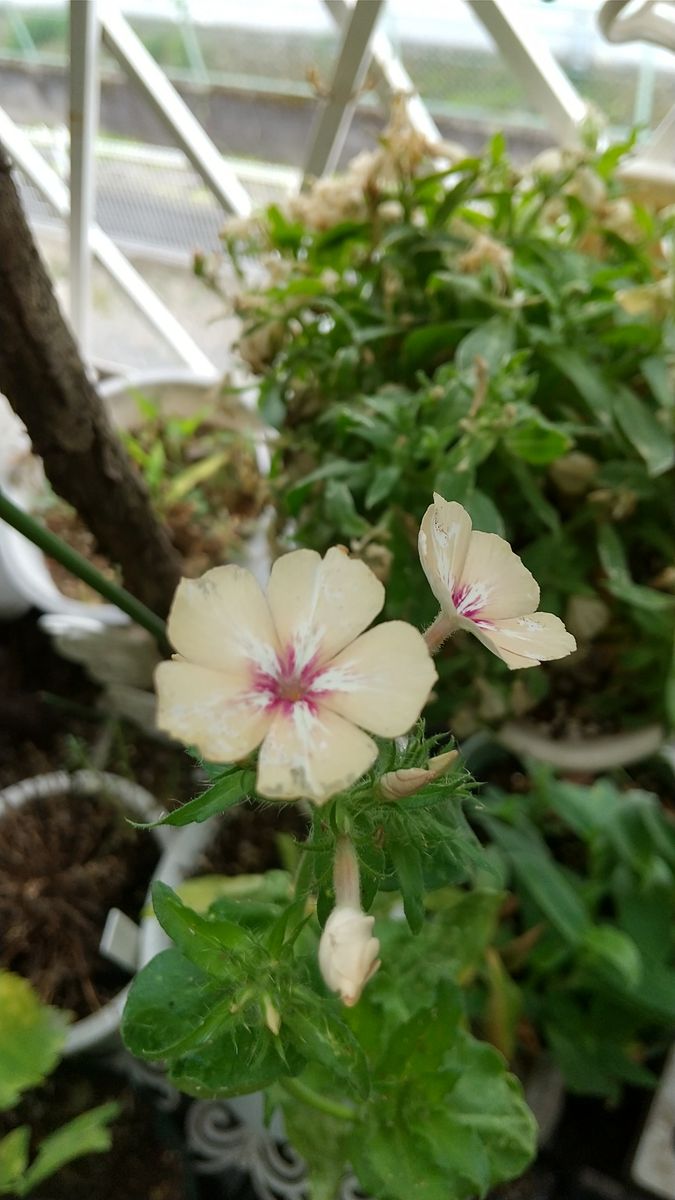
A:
(526, 641)
(209, 710)
(443, 544)
(494, 581)
(320, 605)
(382, 681)
(312, 753)
(222, 620)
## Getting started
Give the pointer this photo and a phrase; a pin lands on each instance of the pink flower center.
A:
(289, 684)
(469, 602)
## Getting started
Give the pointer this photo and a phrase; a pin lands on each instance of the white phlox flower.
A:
(348, 953)
(482, 586)
(291, 671)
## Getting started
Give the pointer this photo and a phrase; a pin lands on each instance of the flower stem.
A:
(324, 1104)
(437, 633)
(56, 548)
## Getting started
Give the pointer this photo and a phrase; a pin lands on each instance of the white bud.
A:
(395, 785)
(348, 953)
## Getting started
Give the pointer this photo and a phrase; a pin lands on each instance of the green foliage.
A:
(32, 1036)
(590, 943)
(87, 1134)
(237, 1004)
(475, 330)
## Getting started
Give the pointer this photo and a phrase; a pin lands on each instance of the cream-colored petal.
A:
(222, 620)
(526, 641)
(382, 681)
(494, 583)
(209, 710)
(320, 605)
(443, 544)
(312, 752)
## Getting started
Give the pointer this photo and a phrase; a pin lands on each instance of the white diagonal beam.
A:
(533, 64)
(84, 98)
(205, 157)
(55, 192)
(336, 112)
(393, 77)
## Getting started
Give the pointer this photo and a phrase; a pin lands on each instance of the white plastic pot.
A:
(97, 1031)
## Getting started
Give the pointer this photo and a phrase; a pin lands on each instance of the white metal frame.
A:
(394, 79)
(84, 104)
(141, 67)
(535, 67)
(52, 188)
(336, 112)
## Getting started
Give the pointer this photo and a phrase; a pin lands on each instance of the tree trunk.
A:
(46, 382)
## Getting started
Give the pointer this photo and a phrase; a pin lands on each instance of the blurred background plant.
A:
(432, 320)
(32, 1037)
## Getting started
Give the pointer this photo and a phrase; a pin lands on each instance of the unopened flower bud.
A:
(395, 785)
(573, 473)
(586, 617)
(348, 953)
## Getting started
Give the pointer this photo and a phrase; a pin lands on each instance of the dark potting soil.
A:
(145, 1161)
(247, 842)
(64, 862)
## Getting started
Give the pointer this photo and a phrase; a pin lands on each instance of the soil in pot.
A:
(247, 842)
(205, 484)
(145, 1161)
(64, 862)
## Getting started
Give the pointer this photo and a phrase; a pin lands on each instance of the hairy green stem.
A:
(55, 548)
(324, 1104)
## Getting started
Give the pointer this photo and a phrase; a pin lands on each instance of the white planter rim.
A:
(92, 1032)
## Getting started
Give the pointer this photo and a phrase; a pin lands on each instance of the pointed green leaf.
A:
(13, 1160)
(86, 1134)
(211, 943)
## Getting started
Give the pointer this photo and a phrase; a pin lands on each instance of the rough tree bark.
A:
(45, 381)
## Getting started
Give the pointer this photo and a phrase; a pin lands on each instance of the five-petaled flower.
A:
(288, 671)
(482, 586)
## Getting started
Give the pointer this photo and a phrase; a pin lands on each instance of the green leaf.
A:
(592, 384)
(13, 1160)
(493, 341)
(649, 437)
(235, 1062)
(424, 347)
(86, 1134)
(170, 1003)
(484, 513)
(619, 583)
(408, 866)
(544, 881)
(32, 1036)
(655, 371)
(611, 950)
(320, 1036)
(449, 1120)
(321, 1141)
(224, 793)
(212, 943)
(383, 483)
(537, 441)
(341, 510)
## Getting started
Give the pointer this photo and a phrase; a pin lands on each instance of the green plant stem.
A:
(307, 1095)
(55, 548)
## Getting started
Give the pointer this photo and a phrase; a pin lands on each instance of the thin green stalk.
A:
(324, 1104)
(55, 548)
